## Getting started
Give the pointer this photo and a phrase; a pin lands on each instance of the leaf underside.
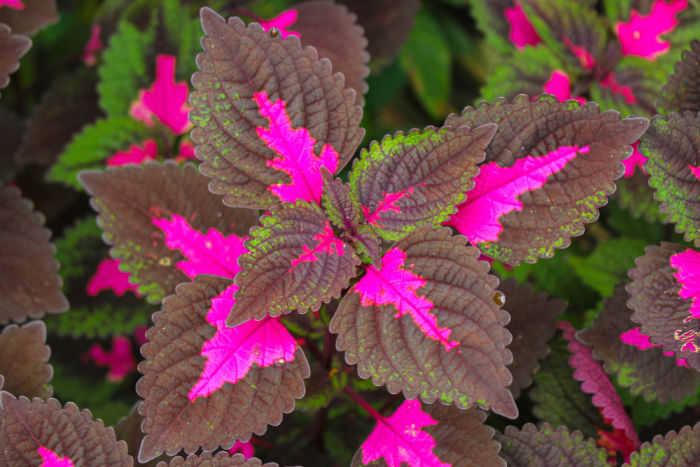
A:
(174, 365)
(24, 360)
(408, 354)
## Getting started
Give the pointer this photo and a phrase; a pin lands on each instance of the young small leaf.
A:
(24, 360)
(256, 121)
(672, 146)
(29, 281)
(32, 431)
(295, 262)
(682, 91)
(12, 47)
(415, 179)
(545, 446)
(426, 324)
(565, 146)
(678, 449)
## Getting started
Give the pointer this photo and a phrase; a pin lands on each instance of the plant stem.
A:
(363, 403)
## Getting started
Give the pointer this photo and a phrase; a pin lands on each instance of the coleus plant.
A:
(385, 259)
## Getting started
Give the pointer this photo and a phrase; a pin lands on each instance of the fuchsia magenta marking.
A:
(688, 276)
(387, 204)
(109, 277)
(14, 4)
(296, 148)
(522, 32)
(637, 159)
(166, 100)
(51, 459)
(282, 22)
(635, 338)
(119, 360)
(560, 87)
(135, 154)
(584, 56)
(400, 439)
(394, 285)
(640, 35)
(496, 192)
(608, 81)
(595, 381)
(326, 242)
(247, 449)
(695, 170)
(93, 47)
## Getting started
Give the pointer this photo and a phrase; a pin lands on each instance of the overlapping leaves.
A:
(676, 448)
(12, 47)
(682, 92)
(24, 358)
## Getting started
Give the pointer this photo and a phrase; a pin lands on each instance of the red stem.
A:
(363, 403)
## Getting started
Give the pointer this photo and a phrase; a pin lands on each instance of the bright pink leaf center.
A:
(165, 100)
(400, 439)
(247, 449)
(396, 286)
(637, 159)
(560, 87)
(608, 81)
(119, 360)
(186, 151)
(595, 381)
(212, 253)
(522, 32)
(51, 459)
(296, 150)
(496, 192)
(14, 4)
(635, 338)
(282, 22)
(688, 275)
(93, 47)
(584, 56)
(695, 170)
(640, 35)
(387, 204)
(326, 242)
(109, 277)
(135, 154)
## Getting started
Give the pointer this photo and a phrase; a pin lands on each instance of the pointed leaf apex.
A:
(640, 123)
(209, 18)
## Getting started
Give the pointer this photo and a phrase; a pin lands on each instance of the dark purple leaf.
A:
(24, 360)
(295, 262)
(414, 179)
(545, 447)
(672, 146)
(533, 316)
(12, 47)
(29, 281)
(649, 372)
(38, 429)
(268, 115)
(174, 364)
(35, 15)
(680, 449)
(560, 161)
(334, 32)
(340, 204)
(133, 200)
(426, 323)
(682, 91)
(221, 459)
(665, 299)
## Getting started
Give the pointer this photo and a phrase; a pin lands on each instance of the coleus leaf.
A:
(679, 449)
(131, 219)
(24, 360)
(386, 26)
(334, 32)
(533, 317)
(647, 371)
(436, 435)
(664, 296)
(36, 430)
(288, 130)
(557, 395)
(415, 179)
(672, 146)
(501, 22)
(295, 262)
(12, 47)
(682, 93)
(221, 459)
(523, 205)
(174, 418)
(594, 381)
(128, 429)
(546, 446)
(426, 323)
(29, 281)
(640, 35)
(119, 360)
(68, 105)
(35, 15)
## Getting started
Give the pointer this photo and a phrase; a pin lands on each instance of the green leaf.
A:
(646, 413)
(426, 60)
(92, 146)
